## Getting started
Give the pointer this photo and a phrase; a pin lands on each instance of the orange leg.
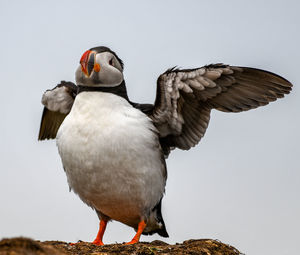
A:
(137, 236)
(98, 240)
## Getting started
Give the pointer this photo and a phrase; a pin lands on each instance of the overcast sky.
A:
(240, 185)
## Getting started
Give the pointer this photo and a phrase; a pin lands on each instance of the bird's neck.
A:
(119, 90)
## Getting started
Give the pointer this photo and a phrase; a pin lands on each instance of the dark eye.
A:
(111, 62)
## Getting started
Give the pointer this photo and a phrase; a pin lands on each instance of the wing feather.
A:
(58, 103)
(185, 98)
(50, 124)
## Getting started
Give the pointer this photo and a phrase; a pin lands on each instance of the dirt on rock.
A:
(26, 246)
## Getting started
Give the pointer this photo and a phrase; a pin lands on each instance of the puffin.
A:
(113, 150)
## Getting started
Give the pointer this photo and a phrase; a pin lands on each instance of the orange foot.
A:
(132, 242)
(97, 242)
(137, 236)
(102, 227)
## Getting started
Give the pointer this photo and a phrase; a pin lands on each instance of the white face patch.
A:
(110, 59)
(110, 74)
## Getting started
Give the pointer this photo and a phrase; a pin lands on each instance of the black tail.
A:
(162, 231)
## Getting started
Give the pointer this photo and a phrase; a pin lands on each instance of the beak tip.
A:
(84, 61)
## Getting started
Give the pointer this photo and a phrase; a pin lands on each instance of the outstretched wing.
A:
(185, 98)
(58, 103)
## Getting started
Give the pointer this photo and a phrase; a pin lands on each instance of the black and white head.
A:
(99, 67)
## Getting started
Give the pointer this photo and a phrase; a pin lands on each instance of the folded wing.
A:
(57, 104)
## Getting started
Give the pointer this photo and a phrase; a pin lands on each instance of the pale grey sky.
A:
(240, 185)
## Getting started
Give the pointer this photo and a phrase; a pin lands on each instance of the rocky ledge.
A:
(26, 246)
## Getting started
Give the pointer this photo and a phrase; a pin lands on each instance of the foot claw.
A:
(131, 242)
(96, 242)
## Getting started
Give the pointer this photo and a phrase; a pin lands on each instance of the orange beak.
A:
(84, 62)
(88, 63)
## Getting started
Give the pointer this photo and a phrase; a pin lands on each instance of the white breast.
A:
(111, 156)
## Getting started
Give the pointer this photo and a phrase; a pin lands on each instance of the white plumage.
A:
(112, 157)
(58, 100)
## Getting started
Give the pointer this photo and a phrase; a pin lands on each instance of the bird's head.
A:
(99, 67)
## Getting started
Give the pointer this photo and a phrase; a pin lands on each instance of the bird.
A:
(114, 151)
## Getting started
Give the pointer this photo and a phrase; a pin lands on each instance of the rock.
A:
(26, 246)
